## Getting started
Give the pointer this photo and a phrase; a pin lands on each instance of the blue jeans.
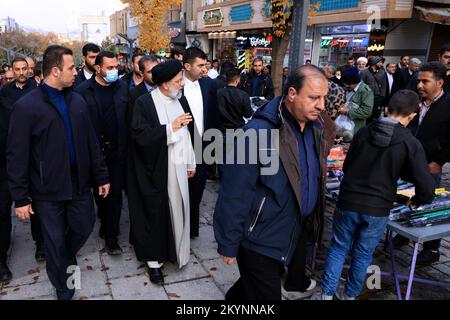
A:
(358, 234)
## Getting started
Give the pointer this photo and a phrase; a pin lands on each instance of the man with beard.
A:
(146, 64)
(107, 100)
(160, 161)
(444, 58)
(134, 78)
(432, 128)
(9, 95)
(90, 52)
(31, 67)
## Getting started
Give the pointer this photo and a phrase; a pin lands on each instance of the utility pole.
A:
(299, 25)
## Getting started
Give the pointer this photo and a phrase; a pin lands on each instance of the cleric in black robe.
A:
(158, 195)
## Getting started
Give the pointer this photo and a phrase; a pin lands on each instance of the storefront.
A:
(251, 44)
(338, 42)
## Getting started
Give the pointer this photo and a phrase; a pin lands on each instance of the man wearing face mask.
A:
(107, 100)
(162, 130)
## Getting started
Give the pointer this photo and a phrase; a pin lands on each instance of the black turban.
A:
(166, 71)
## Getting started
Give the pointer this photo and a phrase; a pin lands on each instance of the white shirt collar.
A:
(189, 82)
(87, 74)
(165, 98)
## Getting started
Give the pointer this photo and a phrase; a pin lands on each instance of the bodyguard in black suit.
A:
(107, 100)
(200, 93)
(52, 157)
(146, 64)
(90, 52)
(407, 78)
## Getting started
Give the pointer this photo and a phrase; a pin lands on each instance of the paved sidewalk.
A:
(206, 277)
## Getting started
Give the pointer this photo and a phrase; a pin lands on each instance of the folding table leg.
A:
(394, 268)
(411, 272)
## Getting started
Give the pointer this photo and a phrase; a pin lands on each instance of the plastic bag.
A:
(344, 127)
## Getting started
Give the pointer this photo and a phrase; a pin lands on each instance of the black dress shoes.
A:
(40, 254)
(156, 275)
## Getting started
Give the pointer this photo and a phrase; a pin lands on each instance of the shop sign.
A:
(254, 41)
(213, 17)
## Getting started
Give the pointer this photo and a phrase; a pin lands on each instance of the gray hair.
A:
(362, 59)
(331, 67)
(415, 61)
(145, 59)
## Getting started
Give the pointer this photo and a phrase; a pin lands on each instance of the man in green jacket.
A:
(361, 95)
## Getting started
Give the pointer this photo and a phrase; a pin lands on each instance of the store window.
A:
(339, 42)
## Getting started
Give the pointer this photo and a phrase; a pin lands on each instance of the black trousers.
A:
(110, 208)
(66, 226)
(197, 185)
(260, 278)
(296, 279)
(5, 222)
(5, 219)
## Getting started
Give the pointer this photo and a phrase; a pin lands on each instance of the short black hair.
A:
(192, 54)
(176, 52)
(404, 103)
(233, 74)
(297, 78)
(351, 58)
(309, 60)
(401, 58)
(215, 60)
(145, 59)
(54, 57)
(90, 47)
(19, 59)
(438, 70)
(5, 65)
(227, 65)
(444, 49)
(136, 56)
(103, 54)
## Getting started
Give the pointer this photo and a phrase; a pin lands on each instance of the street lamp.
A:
(10, 52)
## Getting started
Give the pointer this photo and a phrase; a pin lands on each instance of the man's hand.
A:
(434, 168)
(229, 261)
(191, 174)
(23, 213)
(181, 121)
(343, 110)
(104, 190)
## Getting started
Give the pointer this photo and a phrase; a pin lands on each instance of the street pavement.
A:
(206, 277)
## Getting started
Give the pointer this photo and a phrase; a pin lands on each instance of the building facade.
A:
(94, 28)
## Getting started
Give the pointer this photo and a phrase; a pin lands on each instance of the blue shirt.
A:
(58, 99)
(309, 164)
(255, 84)
(149, 87)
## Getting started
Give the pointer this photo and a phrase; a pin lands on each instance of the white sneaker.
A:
(340, 295)
(319, 295)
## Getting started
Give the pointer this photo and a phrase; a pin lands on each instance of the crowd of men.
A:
(69, 138)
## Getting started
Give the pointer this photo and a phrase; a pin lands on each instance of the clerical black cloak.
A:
(148, 200)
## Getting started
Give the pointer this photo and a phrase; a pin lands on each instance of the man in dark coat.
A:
(201, 94)
(268, 208)
(107, 100)
(10, 94)
(152, 233)
(90, 52)
(52, 157)
(256, 83)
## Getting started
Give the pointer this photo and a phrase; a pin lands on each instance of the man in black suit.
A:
(146, 64)
(106, 97)
(201, 94)
(407, 78)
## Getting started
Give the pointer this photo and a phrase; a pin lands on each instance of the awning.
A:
(435, 15)
(222, 35)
